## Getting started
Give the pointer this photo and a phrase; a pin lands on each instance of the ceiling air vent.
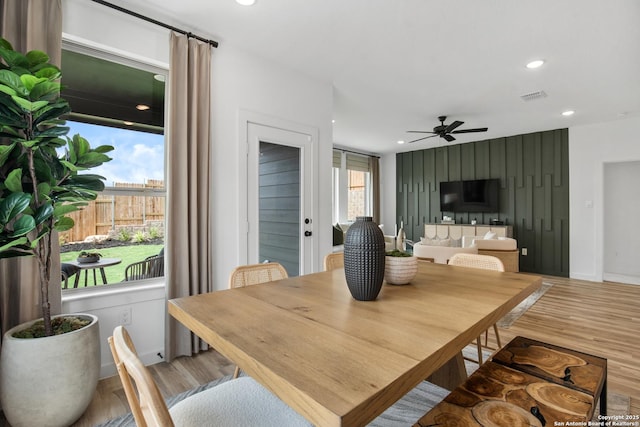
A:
(532, 96)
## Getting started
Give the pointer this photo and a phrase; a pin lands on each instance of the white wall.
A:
(244, 82)
(622, 209)
(240, 82)
(388, 192)
(590, 147)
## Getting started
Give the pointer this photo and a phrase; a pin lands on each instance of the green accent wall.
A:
(534, 191)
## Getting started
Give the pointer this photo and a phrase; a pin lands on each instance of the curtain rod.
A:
(355, 152)
(153, 21)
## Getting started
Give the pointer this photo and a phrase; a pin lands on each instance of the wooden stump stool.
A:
(528, 383)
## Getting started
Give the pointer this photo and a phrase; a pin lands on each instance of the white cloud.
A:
(137, 156)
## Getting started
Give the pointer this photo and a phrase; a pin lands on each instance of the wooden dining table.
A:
(342, 362)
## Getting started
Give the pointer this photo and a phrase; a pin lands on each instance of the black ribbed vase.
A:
(364, 256)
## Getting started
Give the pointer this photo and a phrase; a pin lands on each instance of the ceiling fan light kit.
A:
(445, 131)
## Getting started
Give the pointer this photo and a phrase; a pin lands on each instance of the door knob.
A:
(307, 233)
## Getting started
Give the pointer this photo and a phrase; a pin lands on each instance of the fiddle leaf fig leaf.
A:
(23, 225)
(36, 57)
(5, 151)
(6, 89)
(14, 181)
(11, 79)
(43, 213)
(64, 223)
(30, 81)
(12, 206)
(17, 242)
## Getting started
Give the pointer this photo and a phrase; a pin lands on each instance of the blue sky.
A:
(137, 157)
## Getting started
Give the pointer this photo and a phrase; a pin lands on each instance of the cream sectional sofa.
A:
(440, 254)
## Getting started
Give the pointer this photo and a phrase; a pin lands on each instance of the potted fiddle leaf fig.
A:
(43, 178)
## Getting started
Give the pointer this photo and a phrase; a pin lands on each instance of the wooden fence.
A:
(108, 213)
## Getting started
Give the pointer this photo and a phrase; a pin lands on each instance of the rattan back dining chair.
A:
(254, 274)
(334, 261)
(485, 262)
(235, 402)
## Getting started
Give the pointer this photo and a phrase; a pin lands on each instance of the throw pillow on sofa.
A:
(338, 235)
(490, 235)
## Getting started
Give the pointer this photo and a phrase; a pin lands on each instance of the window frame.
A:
(340, 183)
(89, 48)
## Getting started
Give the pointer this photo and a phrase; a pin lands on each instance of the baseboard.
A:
(621, 278)
(586, 277)
(109, 369)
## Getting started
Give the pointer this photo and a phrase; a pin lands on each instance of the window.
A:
(352, 196)
(118, 102)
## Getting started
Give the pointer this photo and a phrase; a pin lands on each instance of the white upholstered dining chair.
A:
(237, 402)
(485, 262)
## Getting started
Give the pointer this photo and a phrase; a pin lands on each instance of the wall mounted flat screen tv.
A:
(478, 195)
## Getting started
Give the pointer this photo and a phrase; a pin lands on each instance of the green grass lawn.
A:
(114, 273)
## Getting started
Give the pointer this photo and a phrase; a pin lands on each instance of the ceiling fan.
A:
(445, 131)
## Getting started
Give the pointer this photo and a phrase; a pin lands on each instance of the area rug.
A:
(525, 305)
(404, 412)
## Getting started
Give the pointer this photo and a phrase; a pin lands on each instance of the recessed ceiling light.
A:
(333, 121)
(128, 123)
(568, 113)
(535, 64)
(400, 142)
(246, 2)
(142, 107)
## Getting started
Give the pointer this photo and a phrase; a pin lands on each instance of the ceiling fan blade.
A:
(452, 126)
(420, 139)
(419, 131)
(448, 137)
(470, 130)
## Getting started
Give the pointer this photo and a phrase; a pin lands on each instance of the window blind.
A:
(357, 163)
(337, 159)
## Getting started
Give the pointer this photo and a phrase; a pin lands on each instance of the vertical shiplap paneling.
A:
(558, 157)
(530, 190)
(483, 163)
(548, 197)
(534, 197)
(467, 161)
(415, 220)
(407, 178)
(431, 185)
(511, 203)
(400, 207)
(453, 158)
(519, 161)
(537, 158)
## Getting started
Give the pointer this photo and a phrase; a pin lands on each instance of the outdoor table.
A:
(99, 265)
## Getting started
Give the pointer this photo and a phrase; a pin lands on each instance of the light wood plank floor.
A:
(598, 318)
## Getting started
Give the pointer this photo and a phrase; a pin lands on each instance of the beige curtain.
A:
(188, 238)
(374, 169)
(29, 25)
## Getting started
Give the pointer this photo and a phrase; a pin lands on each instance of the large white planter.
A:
(400, 270)
(49, 381)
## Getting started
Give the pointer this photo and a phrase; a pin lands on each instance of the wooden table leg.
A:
(451, 374)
